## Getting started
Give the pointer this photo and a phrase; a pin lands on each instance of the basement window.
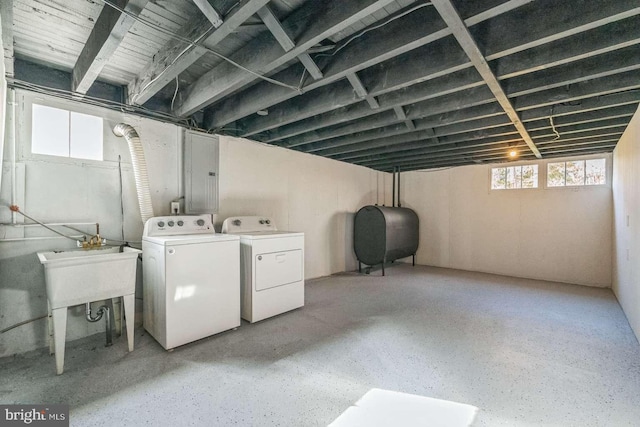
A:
(62, 133)
(514, 177)
(577, 173)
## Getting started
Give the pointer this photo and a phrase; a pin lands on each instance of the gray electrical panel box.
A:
(201, 156)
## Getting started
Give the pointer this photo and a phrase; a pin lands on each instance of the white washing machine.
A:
(272, 267)
(191, 279)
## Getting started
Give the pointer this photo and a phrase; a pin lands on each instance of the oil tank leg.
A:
(383, 268)
(414, 260)
(359, 267)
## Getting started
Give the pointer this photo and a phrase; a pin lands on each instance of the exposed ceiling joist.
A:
(482, 117)
(305, 25)
(328, 124)
(6, 16)
(398, 37)
(401, 115)
(280, 34)
(448, 60)
(109, 30)
(462, 34)
(177, 55)
(376, 83)
(207, 10)
(361, 91)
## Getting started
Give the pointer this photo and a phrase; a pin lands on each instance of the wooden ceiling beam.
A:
(6, 16)
(361, 91)
(500, 158)
(324, 126)
(177, 55)
(275, 27)
(587, 110)
(469, 45)
(432, 151)
(207, 10)
(402, 71)
(398, 37)
(389, 85)
(108, 32)
(308, 25)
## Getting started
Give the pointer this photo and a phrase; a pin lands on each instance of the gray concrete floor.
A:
(525, 352)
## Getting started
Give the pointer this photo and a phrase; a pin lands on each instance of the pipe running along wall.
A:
(139, 168)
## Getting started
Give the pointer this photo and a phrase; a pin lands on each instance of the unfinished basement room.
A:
(345, 213)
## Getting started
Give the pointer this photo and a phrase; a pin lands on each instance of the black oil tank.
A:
(383, 234)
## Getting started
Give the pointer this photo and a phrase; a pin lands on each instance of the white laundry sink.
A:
(76, 277)
(79, 276)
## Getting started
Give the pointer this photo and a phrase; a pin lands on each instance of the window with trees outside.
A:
(577, 173)
(513, 177)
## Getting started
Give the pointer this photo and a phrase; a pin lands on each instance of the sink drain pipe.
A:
(103, 310)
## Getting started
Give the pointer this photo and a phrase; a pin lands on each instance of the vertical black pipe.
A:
(393, 199)
(399, 205)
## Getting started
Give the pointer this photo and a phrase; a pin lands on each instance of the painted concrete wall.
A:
(59, 190)
(626, 202)
(302, 192)
(558, 234)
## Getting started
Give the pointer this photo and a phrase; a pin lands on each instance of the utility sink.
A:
(76, 277)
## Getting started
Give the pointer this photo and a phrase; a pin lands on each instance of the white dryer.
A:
(272, 267)
(191, 279)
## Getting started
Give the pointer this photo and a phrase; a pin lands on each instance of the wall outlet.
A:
(175, 208)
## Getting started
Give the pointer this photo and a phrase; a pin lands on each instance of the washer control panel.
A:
(177, 225)
(244, 224)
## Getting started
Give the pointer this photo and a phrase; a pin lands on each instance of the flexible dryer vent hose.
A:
(139, 168)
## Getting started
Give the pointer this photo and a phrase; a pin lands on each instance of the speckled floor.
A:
(525, 352)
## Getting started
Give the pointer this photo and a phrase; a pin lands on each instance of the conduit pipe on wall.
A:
(139, 168)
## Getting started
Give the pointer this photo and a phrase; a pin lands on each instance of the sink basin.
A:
(80, 276)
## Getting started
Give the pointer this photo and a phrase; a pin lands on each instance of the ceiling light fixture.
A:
(263, 112)
(513, 153)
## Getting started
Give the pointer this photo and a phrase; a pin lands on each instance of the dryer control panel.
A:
(178, 225)
(244, 224)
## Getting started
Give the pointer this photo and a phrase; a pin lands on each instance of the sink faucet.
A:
(95, 241)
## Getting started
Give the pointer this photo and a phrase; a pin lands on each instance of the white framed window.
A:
(514, 177)
(63, 133)
(576, 173)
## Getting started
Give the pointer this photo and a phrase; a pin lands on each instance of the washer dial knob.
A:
(237, 222)
(200, 222)
(180, 223)
(170, 223)
(160, 224)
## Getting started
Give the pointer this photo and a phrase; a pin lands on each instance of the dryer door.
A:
(278, 268)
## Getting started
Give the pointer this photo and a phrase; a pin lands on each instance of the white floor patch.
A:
(379, 408)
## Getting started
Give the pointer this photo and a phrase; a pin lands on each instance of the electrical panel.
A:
(201, 159)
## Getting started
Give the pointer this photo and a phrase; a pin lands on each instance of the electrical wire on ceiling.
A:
(553, 126)
(112, 105)
(174, 94)
(360, 34)
(375, 27)
(193, 43)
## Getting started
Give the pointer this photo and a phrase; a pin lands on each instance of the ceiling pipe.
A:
(393, 187)
(399, 204)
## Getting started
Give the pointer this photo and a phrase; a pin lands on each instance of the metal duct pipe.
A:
(139, 168)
